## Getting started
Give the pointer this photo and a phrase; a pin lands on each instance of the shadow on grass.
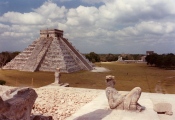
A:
(95, 115)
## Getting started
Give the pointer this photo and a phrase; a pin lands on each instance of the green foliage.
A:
(6, 57)
(2, 82)
(132, 56)
(162, 61)
(137, 56)
(111, 57)
(93, 57)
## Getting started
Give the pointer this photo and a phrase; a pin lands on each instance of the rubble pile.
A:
(61, 102)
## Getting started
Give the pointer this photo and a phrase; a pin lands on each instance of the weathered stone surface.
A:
(49, 52)
(57, 76)
(17, 104)
(163, 107)
(37, 55)
(119, 101)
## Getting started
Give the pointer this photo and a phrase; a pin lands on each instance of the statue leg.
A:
(131, 99)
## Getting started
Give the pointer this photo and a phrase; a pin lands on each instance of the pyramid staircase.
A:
(79, 56)
(49, 52)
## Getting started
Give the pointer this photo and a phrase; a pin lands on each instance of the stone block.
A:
(163, 107)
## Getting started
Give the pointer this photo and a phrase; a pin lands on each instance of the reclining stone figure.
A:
(17, 103)
(117, 100)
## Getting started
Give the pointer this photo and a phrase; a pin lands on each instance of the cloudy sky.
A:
(101, 26)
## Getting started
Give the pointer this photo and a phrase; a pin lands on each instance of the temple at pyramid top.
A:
(51, 33)
(50, 51)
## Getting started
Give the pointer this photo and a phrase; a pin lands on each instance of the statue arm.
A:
(113, 103)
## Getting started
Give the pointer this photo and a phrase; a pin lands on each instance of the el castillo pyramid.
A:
(49, 52)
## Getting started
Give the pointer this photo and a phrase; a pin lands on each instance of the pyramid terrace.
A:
(49, 52)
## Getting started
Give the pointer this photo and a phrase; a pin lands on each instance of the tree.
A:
(151, 59)
(159, 61)
(111, 57)
(162, 61)
(93, 57)
(137, 56)
(168, 60)
(3, 59)
(6, 57)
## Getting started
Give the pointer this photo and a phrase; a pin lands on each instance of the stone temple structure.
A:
(49, 52)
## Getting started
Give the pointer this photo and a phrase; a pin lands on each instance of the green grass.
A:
(20, 78)
(127, 76)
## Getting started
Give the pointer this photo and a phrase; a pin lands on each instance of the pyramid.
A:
(49, 52)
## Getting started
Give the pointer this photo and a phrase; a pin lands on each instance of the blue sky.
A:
(101, 26)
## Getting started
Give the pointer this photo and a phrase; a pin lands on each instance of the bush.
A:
(2, 82)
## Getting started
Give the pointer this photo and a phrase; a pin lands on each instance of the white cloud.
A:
(13, 34)
(45, 14)
(82, 16)
(4, 27)
(150, 27)
(113, 24)
(19, 18)
(51, 11)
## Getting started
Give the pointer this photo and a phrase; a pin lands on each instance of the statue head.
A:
(58, 69)
(110, 77)
(110, 81)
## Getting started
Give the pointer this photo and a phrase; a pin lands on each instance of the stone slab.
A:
(98, 109)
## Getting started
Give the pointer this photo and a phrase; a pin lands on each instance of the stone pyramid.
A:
(49, 52)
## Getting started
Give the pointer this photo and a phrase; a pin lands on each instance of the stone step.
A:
(37, 55)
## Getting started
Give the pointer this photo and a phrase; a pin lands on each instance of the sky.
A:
(100, 26)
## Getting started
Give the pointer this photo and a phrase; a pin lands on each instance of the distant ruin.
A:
(49, 52)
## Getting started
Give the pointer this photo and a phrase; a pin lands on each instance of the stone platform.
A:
(98, 109)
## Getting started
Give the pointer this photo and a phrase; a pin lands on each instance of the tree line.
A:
(6, 57)
(94, 57)
(162, 61)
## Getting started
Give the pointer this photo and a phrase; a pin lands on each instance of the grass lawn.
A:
(127, 76)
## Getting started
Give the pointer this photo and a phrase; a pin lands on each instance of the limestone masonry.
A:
(49, 52)
(17, 103)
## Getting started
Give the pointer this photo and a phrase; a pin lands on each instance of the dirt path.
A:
(159, 86)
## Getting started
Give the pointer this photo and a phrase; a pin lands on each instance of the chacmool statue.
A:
(117, 100)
